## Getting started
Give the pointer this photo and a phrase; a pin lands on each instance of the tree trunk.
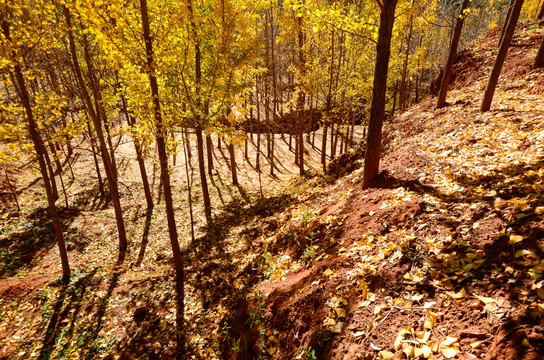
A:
(499, 60)
(112, 181)
(139, 157)
(161, 134)
(258, 152)
(209, 153)
(507, 20)
(198, 129)
(451, 57)
(186, 146)
(403, 86)
(39, 147)
(97, 167)
(202, 169)
(233, 164)
(324, 146)
(301, 95)
(377, 108)
(54, 188)
(540, 15)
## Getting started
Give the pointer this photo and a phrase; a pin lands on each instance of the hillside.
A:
(442, 258)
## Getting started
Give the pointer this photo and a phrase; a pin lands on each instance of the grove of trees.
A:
(167, 73)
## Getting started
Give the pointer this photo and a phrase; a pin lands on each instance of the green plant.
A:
(236, 346)
(309, 354)
(309, 254)
(307, 215)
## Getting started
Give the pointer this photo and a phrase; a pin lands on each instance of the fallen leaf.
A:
(384, 354)
(521, 253)
(408, 350)
(426, 351)
(514, 239)
(328, 272)
(449, 352)
(459, 295)
(485, 300)
(449, 341)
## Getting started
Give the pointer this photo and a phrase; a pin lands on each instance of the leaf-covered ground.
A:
(442, 258)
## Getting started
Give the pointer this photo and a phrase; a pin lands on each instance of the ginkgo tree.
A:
(24, 32)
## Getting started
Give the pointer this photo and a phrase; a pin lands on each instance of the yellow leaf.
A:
(514, 239)
(449, 352)
(476, 344)
(423, 336)
(272, 350)
(328, 272)
(426, 351)
(525, 343)
(429, 323)
(485, 300)
(408, 350)
(384, 354)
(449, 341)
(521, 253)
(461, 294)
(398, 341)
(539, 210)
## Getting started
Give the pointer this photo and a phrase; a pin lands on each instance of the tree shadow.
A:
(480, 217)
(145, 237)
(223, 283)
(18, 250)
(65, 309)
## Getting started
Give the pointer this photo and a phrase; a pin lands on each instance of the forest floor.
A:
(442, 258)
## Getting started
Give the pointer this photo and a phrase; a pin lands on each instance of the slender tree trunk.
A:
(501, 56)
(230, 146)
(39, 147)
(333, 134)
(209, 153)
(403, 80)
(258, 102)
(202, 169)
(507, 20)
(99, 106)
(161, 134)
(58, 171)
(352, 130)
(54, 188)
(324, 145)
(301, 95)
(186, 146)
(112, 180)
(97, 167)
(139, 157)
(540, 15)
(377, 108)
(451, 57)
(198, 129)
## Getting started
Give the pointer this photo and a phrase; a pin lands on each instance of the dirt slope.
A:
(443, 257)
